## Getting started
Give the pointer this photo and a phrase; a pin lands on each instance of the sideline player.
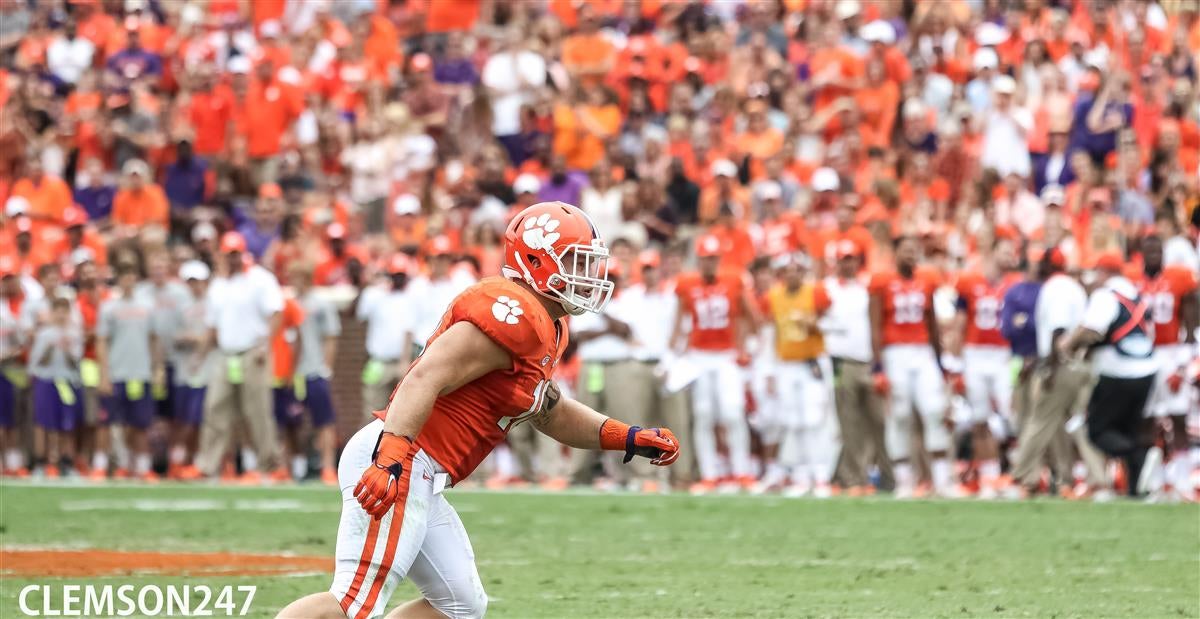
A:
(486, 369)
(907, 349)
(1171, 292)
(718, 306)
(987, 373)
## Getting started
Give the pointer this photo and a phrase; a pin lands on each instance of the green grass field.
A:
(586, 555)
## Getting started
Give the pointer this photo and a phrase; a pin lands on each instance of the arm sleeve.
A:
(1101, 311)
(104, 320)
(333, 322)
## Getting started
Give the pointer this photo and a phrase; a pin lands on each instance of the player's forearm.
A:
(571, 423)
(330, 351)
(411, 405)
(1190, 309)
(935, 335)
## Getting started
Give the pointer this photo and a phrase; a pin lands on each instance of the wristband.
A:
(614, 435)
(877, 368)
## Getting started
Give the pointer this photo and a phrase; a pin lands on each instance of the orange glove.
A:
(879, 381)
(385, 482)
(658, 444)
(743, 359)
(1175, 381)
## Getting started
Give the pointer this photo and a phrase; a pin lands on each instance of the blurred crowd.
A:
(198, 193)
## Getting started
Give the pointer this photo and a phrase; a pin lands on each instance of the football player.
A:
(718, 306)
(907, 351)
(987, 375)
(486, 369)
(1172, 294)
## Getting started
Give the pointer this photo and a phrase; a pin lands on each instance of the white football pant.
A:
(718, 396)
(917, 382)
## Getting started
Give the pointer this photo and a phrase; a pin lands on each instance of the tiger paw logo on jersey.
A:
(540, 232)
(507, 310)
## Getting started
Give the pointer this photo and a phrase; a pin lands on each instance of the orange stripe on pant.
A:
(385, 566)
(364, 563)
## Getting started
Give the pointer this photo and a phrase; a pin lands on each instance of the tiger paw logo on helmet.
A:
(540, 232)
(506, 310)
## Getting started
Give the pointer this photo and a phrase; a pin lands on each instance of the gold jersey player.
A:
(486, 369)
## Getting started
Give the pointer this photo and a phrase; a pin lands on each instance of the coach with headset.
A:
(1118, 327)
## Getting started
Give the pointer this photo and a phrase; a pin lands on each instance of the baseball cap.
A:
(985, 58)
(708, 245)
(648, 259)
(232, 242)
(989, 34)
(825, 179)
(770, 190)
(1099, 194)
(335, 230)
(194, 269)
(878, 31)
(845, 9)
(24, 224)
(439, 246)
(421, 62)
(204, 231)
(1110, 260)
(8, 266)
(724, 167)
(406, 204)
(399, 263)
(270, 29)
(1004, 84)
(269, 190)
(74, 216)
(527, 183)
(1055, 257)
(16, 205)
(1053, 194)
(847, 248)
(238, 64)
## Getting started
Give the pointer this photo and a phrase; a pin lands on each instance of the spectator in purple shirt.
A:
(454, 67)
(1098, 119)
(93, 191)
(562, 186)
(184, 179)
(133, 63)
(263, 228)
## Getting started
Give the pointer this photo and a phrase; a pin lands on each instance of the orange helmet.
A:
(553, 247)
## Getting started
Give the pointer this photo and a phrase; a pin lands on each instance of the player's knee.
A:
(462, 605)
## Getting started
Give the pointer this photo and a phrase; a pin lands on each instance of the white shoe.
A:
(988, 493)
(796, 491)
(1151, 473)
(1103, 495)
(822, 491)
(903, 492)
(729, 487)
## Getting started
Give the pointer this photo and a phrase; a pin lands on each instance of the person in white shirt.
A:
(649, 308)
(860, 409)
(1057, 382)
(242, 312)
(1118, 328)
(513, 76)
(608, 377)
(1005, 131)
(69, 55)
(392, 313)
(437, 289)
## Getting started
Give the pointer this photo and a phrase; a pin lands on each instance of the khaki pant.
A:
(616, 389)
(538, 456)
(1053, 405)
(861, 418)
(375, 397)
(1058, 455)
(250, 401)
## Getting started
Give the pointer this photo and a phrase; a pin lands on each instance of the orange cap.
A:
(439, 246)
(269, 190)
(1110, 261)
(399, 263)
(74, 216)
(847, 248)
(649, 259)
(232, 242)
(708, 245)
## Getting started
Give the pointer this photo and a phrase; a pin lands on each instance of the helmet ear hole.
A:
(534, 261)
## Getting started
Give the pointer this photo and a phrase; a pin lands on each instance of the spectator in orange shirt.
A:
(210, 112)
(760, 141)
(82, 243)
(48, 195)
(270, 108)
(580, 131)
(877, 103)
(587, 54)
(140, 200)
(725, 194)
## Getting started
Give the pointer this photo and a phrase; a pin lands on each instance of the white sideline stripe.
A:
(194, 505)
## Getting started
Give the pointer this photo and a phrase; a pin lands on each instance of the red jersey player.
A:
(907, 350)
(716, 304)
(1171, 292)
(986, 355)
(486, 369)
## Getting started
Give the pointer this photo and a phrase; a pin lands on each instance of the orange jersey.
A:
(283, 353)
(468, 423)
(714, 309)
(982, 300)
(780, 235)
(1165, 294)
(904, 305)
